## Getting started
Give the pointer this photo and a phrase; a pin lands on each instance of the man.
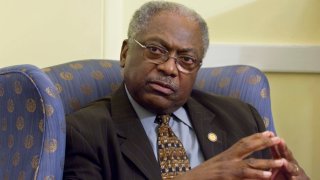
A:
(204, 136)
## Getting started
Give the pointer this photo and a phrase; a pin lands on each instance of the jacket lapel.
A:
(204, 123)
(134, 142)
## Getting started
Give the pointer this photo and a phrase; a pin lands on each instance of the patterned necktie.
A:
(172, 155)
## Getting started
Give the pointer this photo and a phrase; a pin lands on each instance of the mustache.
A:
(165, 81)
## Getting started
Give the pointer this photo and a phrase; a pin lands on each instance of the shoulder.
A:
(219, 102)
(231, 112)
(93, 117)
(236, 118)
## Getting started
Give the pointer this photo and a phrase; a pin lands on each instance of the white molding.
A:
(268, 58)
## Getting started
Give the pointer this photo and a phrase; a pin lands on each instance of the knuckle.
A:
(266, 141)
(259, 136)
(243, 172)
(251, 162)
(243, 143)
(270, 163)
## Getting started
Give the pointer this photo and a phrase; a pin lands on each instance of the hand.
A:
(231, 164)
(291, 169)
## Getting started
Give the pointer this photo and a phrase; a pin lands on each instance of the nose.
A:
(169, 67)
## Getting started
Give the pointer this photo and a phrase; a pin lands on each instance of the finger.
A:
(249, 173)
(269, 133)
(284, 151)
(250, 144)
(264, 164)
(275, 152)
(275, 173)
(291, 168)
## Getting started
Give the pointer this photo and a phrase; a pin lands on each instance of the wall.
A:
(50, 32)
(45, 33)
(269, 21)
(295, 103)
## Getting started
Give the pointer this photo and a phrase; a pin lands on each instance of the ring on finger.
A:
(296, 168)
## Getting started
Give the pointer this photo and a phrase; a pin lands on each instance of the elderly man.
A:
(156, 127)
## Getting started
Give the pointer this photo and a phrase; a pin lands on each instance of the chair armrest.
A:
(32, 133)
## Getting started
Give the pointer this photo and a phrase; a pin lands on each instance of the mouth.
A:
(162, 87)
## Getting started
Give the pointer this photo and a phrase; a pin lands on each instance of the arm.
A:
(232, 163)
(81, 160)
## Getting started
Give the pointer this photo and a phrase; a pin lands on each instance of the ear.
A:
(123, 53)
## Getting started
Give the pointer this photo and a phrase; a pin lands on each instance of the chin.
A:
(160, 104)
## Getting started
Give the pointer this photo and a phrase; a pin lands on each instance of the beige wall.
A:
(45, 33)
(49, 32)
(269, 21)
(295, 100)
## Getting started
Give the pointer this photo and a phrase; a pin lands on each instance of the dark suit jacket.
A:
(106, 140)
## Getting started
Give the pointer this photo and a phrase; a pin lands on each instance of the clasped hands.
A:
(234, 164)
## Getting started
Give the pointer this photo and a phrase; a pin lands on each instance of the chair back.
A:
(34, 102)
(81, 82)
(32, 125)
(243, 82)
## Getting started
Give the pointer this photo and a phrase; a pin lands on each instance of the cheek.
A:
(136, 73)
(187, 79)
(186, 85)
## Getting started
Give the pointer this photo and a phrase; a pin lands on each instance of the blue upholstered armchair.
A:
(33, 104)
(32, 125)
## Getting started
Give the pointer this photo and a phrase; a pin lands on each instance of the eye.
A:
(156, 49)
(188, 60)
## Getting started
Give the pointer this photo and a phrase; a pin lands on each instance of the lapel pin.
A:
(212, 137)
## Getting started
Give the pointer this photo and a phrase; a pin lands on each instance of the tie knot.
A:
(163, 119)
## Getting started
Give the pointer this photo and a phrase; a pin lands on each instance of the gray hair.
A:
(142, 16)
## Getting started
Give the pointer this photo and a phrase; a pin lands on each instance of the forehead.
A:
(176, 30)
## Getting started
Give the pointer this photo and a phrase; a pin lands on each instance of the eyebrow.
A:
(187, 50)
(166, 45)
